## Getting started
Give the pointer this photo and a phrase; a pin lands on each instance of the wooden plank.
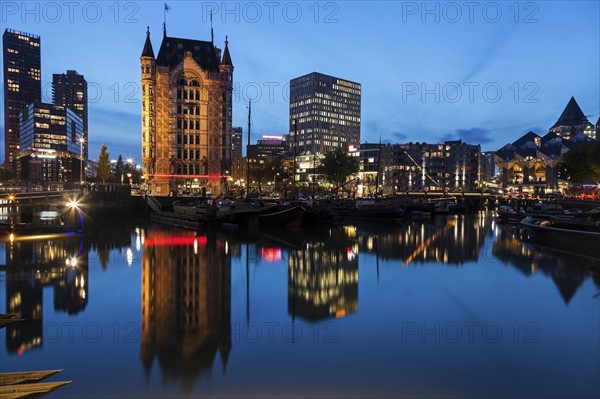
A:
(35, 390)
(25, 377)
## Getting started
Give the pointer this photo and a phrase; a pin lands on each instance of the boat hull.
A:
(292, 216)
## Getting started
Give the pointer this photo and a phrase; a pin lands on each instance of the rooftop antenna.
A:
(167, 8)
(212, 35)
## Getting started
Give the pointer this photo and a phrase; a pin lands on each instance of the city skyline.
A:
(514, 50)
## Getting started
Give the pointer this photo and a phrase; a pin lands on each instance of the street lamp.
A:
(81, 175)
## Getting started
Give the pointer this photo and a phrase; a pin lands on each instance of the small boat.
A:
(509, 214)
(25, 377)
(282, 215)
(571, 235)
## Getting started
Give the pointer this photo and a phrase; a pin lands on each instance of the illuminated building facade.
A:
(50, 144)
(327, 112)
(186, 303)
(70, 90)
(573, 122)
(269, 147)
(22, 85)
(453, 166)
(186, 114)
(530, 164)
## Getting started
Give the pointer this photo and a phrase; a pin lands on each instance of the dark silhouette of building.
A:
(327, 112)
(269, 147)
(70, 90)
(236, 142)
(22, 85)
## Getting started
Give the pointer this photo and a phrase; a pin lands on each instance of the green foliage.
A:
(103, 166)
(582, 165)
(337, 166)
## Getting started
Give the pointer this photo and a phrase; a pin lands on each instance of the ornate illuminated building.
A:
(22, 85)
(327, 112)
(323, 278)
(186, 114)
(186, 304)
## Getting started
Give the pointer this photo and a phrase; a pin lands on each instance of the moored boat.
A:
(571, 235)
(291, 215)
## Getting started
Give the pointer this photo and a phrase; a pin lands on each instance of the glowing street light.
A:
(81, 175)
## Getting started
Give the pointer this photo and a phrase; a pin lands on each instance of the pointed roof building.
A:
(148, 51)
(571, 116)
(226, 57)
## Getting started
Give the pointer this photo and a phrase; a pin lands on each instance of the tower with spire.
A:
(186, 115)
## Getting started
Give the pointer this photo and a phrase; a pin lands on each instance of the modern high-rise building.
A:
(50, 146)
(22, 85)
(325, 110)
(186, 114)
(236, 142)
(70, 90)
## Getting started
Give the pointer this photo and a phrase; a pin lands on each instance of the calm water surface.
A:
(451, 307)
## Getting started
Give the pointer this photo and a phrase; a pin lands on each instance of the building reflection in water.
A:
(567, 271)
(35, 262)
(186, 305)
(453, 240)
(323, 276)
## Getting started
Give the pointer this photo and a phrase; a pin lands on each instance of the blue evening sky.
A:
(485, 72)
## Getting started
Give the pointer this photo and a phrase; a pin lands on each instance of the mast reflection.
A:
(186, 306)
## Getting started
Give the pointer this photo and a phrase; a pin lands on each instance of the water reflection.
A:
(186, 306)
(59, 262)
(567, 271)
(187, 316)
(323, 277)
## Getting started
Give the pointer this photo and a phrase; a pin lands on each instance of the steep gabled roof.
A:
(549, 137)
(571, 116)
(148, 51)
(173, 49)
(529, 137)
(226, 57)
(551, 151)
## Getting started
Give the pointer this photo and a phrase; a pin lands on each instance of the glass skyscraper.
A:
(22, 85)
(327, 112)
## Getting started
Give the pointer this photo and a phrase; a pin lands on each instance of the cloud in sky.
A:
(473, 135)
